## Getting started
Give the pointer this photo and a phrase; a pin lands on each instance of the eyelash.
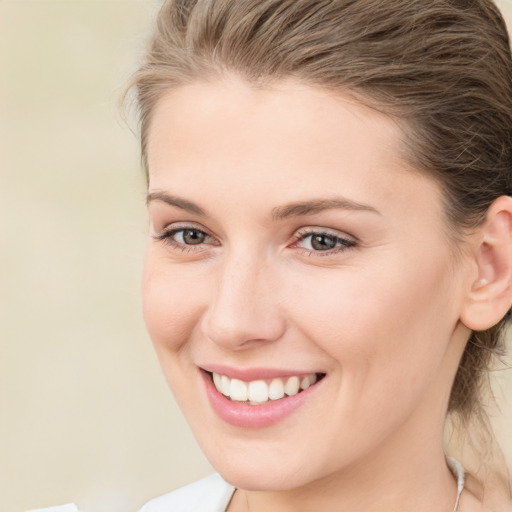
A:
(341, 244)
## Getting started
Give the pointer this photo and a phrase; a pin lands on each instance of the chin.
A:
(251, 478)
(262, 468)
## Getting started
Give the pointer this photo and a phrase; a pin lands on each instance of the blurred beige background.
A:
(85, 414)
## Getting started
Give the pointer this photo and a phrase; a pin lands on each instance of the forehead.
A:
(197, 118)
(286, 140)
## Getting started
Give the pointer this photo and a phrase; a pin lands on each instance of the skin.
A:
(382, 318)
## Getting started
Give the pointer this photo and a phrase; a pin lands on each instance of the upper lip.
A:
(250, 374)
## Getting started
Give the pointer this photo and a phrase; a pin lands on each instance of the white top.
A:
(213, 494)
(210, 494)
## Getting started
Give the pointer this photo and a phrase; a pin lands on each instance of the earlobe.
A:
(490, 295)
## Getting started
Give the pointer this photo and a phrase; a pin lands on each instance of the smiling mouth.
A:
(259, 392)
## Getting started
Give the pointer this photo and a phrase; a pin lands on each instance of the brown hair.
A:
(441, 68)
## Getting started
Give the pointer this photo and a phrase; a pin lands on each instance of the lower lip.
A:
(244, 415)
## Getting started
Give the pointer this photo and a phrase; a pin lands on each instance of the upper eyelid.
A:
(178, 226)
(326, 231)
(303, 232)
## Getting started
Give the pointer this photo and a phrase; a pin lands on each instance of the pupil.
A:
(323, 242)
(193, 237)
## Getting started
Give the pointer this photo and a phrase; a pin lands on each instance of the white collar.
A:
(458, 472)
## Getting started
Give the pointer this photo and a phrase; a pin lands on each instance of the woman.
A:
(329, 264)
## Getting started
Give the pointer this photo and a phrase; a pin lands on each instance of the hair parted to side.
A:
(441, 68)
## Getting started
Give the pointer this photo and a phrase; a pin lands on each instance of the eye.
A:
(185, 238)
(322, 242)
(190, 236)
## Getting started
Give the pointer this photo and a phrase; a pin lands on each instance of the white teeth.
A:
(292, 386)
(238, 390)
(224, 385)
(260, 391)
(305, 382)
(276, 389)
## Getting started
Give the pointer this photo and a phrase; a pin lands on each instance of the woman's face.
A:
(289, 243)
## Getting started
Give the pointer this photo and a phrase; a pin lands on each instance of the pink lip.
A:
(243, 415)
(249, 374)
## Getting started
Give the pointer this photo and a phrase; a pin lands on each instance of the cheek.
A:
(170, 309)
(386, 335)
(382, 327)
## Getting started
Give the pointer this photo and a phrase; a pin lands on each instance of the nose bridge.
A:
(243, 306)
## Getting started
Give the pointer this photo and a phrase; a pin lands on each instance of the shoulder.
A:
(210, 494)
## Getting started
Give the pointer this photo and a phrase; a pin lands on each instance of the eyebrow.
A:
(315, 206)
(183, 204)
(296, 209)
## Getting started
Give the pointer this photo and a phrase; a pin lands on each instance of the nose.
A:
(243, 309)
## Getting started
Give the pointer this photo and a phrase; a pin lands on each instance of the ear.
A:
(490, 294)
